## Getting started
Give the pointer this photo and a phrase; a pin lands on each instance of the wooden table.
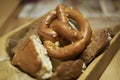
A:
(112, 71)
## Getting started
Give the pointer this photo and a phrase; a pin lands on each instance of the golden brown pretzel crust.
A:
(79, 38)
(44, 31)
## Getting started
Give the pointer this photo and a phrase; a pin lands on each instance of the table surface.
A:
(112, 71)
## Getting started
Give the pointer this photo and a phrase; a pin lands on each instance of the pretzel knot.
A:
(62, 25)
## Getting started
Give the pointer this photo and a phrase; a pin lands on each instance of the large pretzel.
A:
(79, 38)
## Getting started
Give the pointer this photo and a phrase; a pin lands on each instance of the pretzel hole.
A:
(73, 24)
(62, 42)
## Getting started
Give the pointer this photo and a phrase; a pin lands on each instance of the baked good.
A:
(69, 70)
(99, 41)
(31, 57)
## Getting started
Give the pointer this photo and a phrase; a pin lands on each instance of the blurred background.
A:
(14, 13)
(100, 13)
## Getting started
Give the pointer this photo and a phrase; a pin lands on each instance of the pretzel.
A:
(79, 38)
(63, 28)
(44, 31)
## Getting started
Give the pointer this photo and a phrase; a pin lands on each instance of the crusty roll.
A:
(31, 57)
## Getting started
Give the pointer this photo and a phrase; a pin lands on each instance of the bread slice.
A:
(69, 70)
(31, 57)
(99, 41)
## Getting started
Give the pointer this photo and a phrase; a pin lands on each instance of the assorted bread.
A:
(62, 46)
